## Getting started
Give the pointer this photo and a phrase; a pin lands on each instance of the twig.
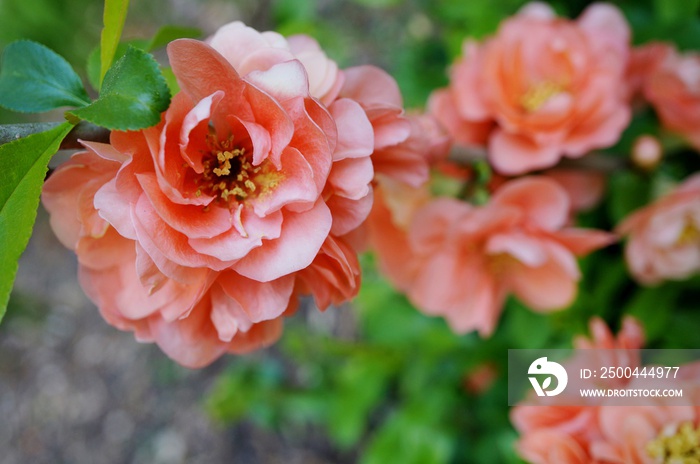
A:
(83, 131)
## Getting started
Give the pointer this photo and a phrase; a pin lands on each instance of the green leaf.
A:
(167, 34)
(675, 10)
(113, 19)
(133, 94)
(170, 78)
(22, 170)
(34, 79)
(652, 307)
(93, 61)
(628, 192)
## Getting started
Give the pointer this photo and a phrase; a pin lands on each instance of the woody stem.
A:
(82, 131)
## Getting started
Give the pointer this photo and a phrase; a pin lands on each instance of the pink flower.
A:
(552, 447)
(551, 88)
(460, 261)
(404, 146)
(673, 89)
(249, 50)
(200, 232)
(642, 65)
(664, 237)
(577, 423)
(635, 435)
(569, 430)
(584, 187)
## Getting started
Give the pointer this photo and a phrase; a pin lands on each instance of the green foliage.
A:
(93, 62)
(628, 191)
(22, 170)
(393, 394)
(113, 19)
(168, 33)
(162, 37)
(133, 94)
(35, 79)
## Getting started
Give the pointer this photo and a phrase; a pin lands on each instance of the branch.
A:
(83, 131)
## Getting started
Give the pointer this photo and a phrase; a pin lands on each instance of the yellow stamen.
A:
(689, 235)
(538, 94)
(676, 445)
(230, 175)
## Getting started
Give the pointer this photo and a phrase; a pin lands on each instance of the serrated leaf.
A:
(22, 171)
(113, 19)
(93, 62)
(34, 79)
(167, 34)
(133, 94)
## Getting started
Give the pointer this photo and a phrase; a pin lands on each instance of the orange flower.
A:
(460, 261)
(664, 237)
(673, 88)
(562, 434)
(541, 88)
(200, 232)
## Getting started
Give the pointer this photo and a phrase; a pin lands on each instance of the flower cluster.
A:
(542, 88)
(611, 435)
(272, 168)
(461, 261)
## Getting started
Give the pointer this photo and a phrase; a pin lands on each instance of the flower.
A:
(568, 430)
(672, 86)
(404, 146)
(664, 237)
(460, 261)
(552, 447)
(584, 187)
(647, 435)
(604, 432)
(541, 88)
(199, 233)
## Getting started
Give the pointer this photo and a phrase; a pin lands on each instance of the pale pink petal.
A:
(583, 241)
(544, 202)
(295, 185)
(227, 315)
(348, 214)
(351, 178)
(544, 288)
(526, 249)
(355, 134)
(301, 237)
(191, 220)
(231, 245)
(193, 341)
(259, 336)
(371, 86)
(513, 154)
(537, 10)
(261, 301)
(198, 117)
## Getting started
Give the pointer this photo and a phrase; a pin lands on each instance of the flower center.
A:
(538, 94)
(689, 235)
(230, 175)
(676, 445)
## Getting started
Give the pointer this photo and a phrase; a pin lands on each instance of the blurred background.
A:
(374, 383)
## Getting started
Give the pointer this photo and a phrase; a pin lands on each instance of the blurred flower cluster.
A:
(274, 169)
